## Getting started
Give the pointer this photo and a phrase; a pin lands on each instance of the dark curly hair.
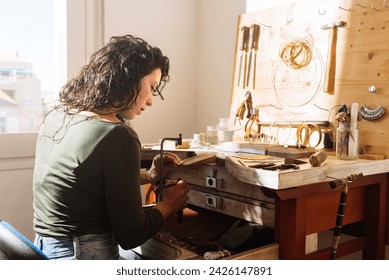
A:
(112, 78)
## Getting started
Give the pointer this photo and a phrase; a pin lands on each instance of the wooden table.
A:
(313, 208)
(305, 204)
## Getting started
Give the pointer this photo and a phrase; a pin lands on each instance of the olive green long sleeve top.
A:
(87, 180)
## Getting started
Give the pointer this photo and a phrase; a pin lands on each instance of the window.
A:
(27, 63)
(56, 29)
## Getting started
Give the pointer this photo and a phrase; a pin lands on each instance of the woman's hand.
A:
(175, 198)
(169, 160)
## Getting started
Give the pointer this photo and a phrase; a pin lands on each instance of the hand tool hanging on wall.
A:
(246, 105)
(255, 32)
(329, 81)
(341, 209)
(246, 50)
(253, 119)
(243, 48)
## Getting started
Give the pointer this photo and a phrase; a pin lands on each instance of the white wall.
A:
(217, 27)
(172, 26)
(199, 38)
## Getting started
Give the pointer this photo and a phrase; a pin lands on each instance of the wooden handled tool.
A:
(329, 82)
(254, 47)
(246, 50)
(243, 46)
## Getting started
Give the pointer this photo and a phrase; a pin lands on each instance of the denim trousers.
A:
(84, 247)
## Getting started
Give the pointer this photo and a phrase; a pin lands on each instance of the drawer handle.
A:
(213, 182)
(213, 201)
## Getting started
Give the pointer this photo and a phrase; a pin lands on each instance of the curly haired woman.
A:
(86, 193)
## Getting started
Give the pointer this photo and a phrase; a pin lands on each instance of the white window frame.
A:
(82, 32)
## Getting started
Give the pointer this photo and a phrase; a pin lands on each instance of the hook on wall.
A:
(257, 21)
(374, 8)
(321, 12)
(262, 24)
(348, 10)
(289, 19)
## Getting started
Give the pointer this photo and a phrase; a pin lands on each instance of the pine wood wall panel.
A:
(362, 60)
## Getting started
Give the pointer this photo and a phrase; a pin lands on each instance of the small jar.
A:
(225, 131)
(212, 135)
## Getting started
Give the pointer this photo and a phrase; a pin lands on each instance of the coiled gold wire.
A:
(297, 54)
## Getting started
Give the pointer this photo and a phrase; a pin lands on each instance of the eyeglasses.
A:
(157, 92)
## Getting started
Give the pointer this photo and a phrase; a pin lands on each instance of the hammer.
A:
(331, 56)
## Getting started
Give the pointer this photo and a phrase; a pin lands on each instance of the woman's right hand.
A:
(174, 199)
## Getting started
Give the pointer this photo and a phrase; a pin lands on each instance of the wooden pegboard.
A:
(283, 94)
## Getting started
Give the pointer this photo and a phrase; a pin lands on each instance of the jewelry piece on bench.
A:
(371, 114)
(304, 133)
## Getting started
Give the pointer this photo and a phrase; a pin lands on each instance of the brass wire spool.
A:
(297, 54)
(297, 70)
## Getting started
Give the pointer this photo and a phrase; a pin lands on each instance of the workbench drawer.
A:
(215, 177)
(256, 211)
(157, 249)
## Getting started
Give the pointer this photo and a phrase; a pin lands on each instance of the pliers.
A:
(283, 166)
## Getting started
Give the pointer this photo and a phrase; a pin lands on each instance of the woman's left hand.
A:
(169, 160)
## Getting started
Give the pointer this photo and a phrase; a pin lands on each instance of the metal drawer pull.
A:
(213, 201)
(212, 182)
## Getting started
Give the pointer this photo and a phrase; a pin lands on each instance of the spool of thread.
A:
(215, 255)
(317, 158)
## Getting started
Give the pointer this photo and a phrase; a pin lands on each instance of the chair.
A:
(15, 246)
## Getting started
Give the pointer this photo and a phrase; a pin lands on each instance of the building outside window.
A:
(27, 60)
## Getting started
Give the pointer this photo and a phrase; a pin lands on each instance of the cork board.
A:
(283, 94)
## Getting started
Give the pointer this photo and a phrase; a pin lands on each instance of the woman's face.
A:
(145, 98)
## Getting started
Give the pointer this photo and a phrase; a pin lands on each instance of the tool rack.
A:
(285, 95)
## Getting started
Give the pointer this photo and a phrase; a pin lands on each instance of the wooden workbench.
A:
(306, 204)
(303, 201)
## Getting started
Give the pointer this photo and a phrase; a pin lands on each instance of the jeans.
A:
(84, 247)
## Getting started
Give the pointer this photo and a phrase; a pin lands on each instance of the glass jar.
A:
(212, 135)
(225, 130)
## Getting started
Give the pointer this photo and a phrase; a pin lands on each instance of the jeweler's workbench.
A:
(296, 203)
(286, 93)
